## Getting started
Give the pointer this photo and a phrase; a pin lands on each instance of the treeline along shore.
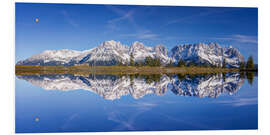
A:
(150, 66)
(86, 69)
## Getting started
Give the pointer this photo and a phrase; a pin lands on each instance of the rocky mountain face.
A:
(211, 54)
(108, 53)
(112, 53)
(113, 87)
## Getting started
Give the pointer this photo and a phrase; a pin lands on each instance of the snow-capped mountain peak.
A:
(212, 54)
(113, 52)
(110, 44)
(51, 57)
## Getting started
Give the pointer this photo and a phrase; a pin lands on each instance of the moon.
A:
(36, 20)
(37, 119)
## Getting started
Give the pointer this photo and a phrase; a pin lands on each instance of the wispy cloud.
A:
(198, 15)
(240, 101)
(246, 39)
(240, 38)
(142, 35)
(122, 16)
(127, 122)
(140, 105)
(128, 17)
(188, 18)
(69, 19)
(68, 122)
(187, 121)
(143, 104)
(112, 24)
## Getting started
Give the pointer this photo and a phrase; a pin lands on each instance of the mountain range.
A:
(113, 87)
(113, 52)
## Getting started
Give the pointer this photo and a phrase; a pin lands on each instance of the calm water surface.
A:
(74, 103)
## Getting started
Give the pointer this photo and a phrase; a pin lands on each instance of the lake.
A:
(103, 103)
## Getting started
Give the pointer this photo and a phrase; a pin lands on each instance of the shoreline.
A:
(85, 69)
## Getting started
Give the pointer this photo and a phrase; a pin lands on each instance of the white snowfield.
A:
(113, 52)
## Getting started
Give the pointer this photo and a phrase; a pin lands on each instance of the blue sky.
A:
(85, 26)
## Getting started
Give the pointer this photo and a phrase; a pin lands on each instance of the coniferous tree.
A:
(131, 63)
(224, 63)
(181, 63)
(140, 64)
(250, 64)
(191, 64)
(242, 65)
(170, 64)
(126, 64)
(206, 65)
(148, 61)
(120, 63)
(156, 62)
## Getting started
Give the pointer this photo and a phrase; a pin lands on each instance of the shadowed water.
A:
(75, 103)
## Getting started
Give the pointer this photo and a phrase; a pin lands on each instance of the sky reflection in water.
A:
(69, 103)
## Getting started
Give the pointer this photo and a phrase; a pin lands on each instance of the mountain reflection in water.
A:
(113, 87)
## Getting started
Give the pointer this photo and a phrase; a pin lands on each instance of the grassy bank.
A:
(85, 69)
